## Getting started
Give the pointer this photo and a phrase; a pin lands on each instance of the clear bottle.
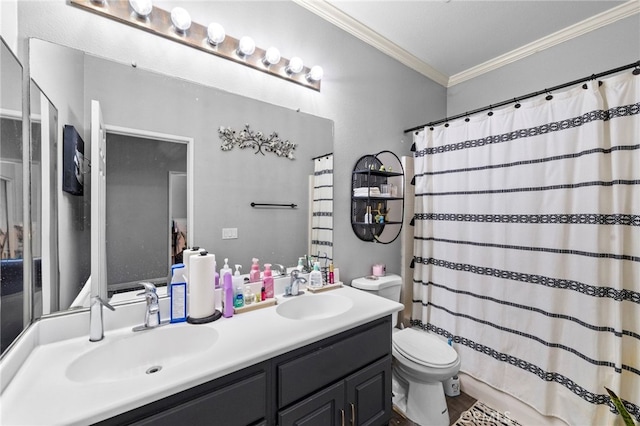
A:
(249, 297)
(315, 276)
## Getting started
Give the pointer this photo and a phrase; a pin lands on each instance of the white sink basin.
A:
(135, 354)
(314, 306)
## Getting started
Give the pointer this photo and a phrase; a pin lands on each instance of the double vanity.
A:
(324, 357)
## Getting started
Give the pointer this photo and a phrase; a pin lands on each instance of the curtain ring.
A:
(467, 119)
(636, 70)
(490, 113)
(517, 105)
(549, 95)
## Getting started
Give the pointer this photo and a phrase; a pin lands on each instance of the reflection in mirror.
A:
(44, 201)
(138, 197)
(11, 197)
(224, 183)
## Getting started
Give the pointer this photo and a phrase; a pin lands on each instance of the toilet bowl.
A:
(421, 362)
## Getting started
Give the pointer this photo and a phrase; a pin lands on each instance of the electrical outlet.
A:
(229, 233)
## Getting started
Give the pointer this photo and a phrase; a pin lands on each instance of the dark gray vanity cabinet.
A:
(341, 380)
(338, 382)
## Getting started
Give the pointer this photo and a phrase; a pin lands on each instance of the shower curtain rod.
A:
(530, 95)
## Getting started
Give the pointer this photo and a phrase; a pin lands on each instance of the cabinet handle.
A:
(353, 413)
(342, 416)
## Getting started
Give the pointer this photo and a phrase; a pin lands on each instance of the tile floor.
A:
(457, 405)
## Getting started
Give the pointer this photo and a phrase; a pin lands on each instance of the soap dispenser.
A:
(267, 281)
(238, 284)
(254, 274)
(300, 266)
(225, 269)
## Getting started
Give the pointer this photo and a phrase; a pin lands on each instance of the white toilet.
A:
(421, 361)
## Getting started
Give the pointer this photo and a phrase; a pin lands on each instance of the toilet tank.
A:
(387, 286)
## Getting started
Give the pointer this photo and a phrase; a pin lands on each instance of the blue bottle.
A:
(178, 294)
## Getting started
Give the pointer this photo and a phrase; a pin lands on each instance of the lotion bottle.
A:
(315, 276)
(178, 294)
(227, 287)
(267, 281)
(254, 274)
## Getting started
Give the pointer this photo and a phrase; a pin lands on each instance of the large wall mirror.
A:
(163, 151)
(12, 297)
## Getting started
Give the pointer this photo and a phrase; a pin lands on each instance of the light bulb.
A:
(295, 65)
(315, 74)
(271, 56)
(246, 46)
(180, 19)
(215, 33)
(142, 8)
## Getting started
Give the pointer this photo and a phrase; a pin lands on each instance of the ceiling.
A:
(451, 41)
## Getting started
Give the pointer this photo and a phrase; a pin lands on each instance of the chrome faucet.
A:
(280, 269)
(96, 325)
(293, 289)
(152, 313)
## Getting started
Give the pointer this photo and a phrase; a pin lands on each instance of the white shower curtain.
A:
(322, 212)
(527, 247)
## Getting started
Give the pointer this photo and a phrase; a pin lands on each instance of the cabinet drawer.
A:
(240, 404)
(240, 398)
(314, 370)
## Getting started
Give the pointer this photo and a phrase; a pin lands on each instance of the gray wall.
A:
(370, 97)
(606, 48)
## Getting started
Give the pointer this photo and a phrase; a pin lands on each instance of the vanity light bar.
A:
(158, 22)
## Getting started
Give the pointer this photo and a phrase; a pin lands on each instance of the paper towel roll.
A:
(186, 256)
(202, 277)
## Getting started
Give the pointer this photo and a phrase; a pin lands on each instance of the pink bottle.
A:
(254, 274)
(267, 281)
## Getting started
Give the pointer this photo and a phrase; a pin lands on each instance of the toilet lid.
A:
(423, 348)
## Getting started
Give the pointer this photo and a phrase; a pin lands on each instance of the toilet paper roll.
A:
(202, 286)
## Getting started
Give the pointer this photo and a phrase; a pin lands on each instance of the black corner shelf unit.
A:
(372, 171)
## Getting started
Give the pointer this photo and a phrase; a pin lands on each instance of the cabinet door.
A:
(369, 395)
(325, 408)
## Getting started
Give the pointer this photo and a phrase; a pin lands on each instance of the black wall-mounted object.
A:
(72, 161)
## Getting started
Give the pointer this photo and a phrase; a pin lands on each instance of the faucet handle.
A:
(98, 299)
(149, 288)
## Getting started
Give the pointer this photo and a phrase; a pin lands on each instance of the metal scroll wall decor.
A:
(247, 138)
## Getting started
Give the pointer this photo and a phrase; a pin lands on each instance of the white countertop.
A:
(41, 393)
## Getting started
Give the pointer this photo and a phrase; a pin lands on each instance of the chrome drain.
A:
(154, 369)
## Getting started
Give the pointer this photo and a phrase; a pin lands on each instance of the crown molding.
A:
(335, 16)
(600, 20)
(338, 18)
